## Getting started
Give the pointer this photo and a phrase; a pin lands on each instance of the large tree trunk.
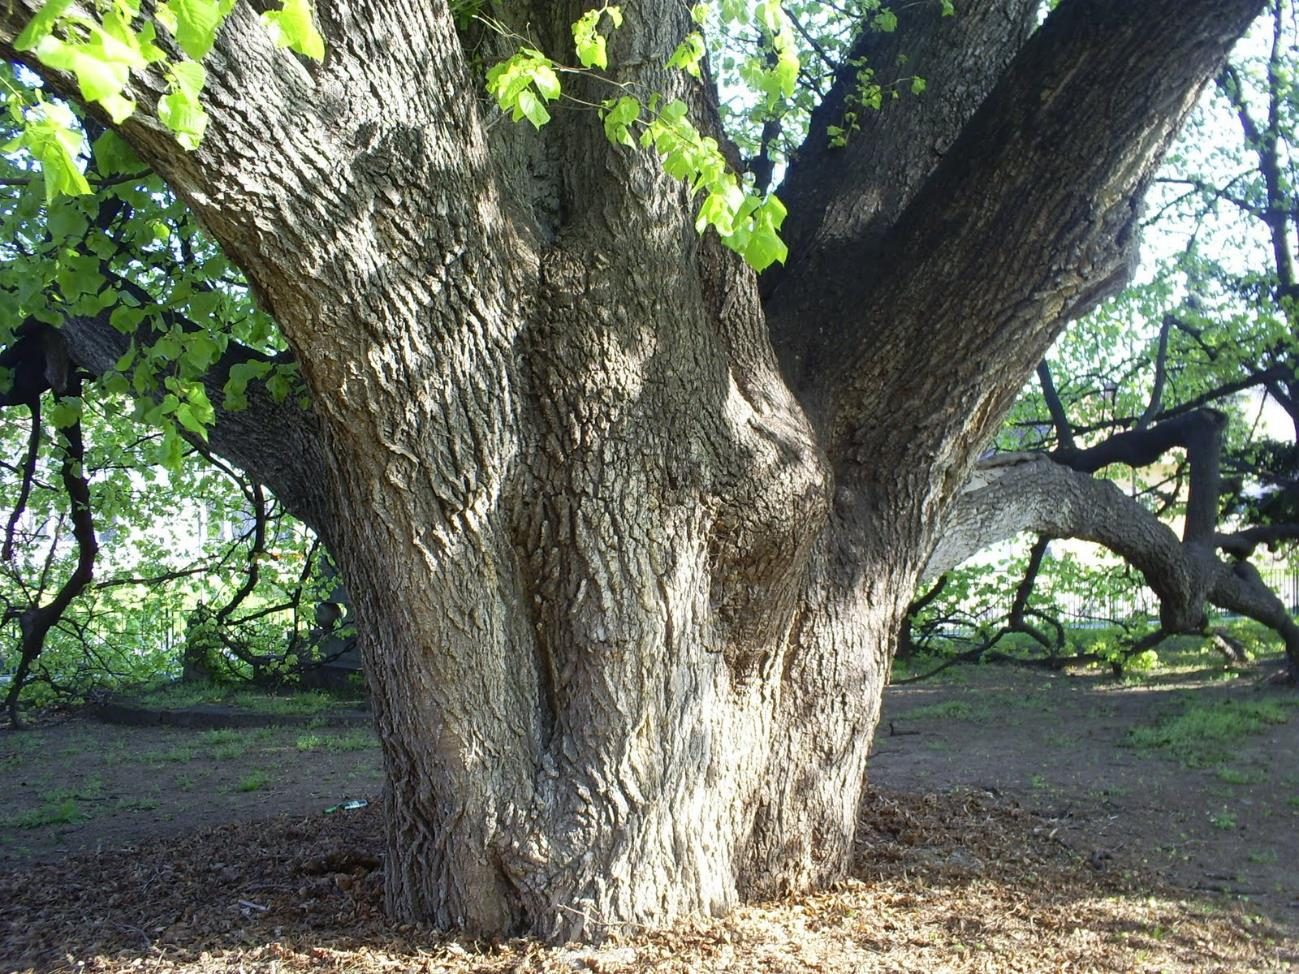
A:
(627, 603)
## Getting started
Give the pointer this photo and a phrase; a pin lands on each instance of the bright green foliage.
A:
(51, 136)
(194, 23)
(747, 222)
(292, 27)
(587, 39)
(689, 54)
(523, 84)
(103, 53)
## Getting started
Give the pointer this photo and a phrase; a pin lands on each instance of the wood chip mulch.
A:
(954, 882)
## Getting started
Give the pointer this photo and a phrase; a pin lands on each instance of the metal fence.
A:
(1081, 608)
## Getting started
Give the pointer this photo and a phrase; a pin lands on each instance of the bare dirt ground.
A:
(1012, 827)
(1061, 746)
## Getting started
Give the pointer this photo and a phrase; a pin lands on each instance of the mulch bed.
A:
(951, 882)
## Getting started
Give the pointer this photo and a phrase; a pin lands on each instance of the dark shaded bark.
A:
(626, 601)
(35, 621)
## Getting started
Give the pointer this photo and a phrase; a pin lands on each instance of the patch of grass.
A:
(137, 804)
(1038, 782)
(1293, 800)
(226, 743)
(1263, 857)
(354, 740)
(947, 710)
(1202, 735)
(63, 812)
(90, 790)
(253, 781)
(309, 742)
(1225, 820)
(303, 704)
(182, 696)
(184, 781)
(175, 755)
(1237, 776)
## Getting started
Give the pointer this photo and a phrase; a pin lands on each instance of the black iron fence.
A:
(1083, 608)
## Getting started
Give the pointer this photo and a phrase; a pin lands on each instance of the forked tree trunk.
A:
(627, 599)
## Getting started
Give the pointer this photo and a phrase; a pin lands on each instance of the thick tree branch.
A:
(1019, 492)
(843, 200)
(1059, 418)
(1242, 543)
(1029, 220)
(276, 442)
(36, 621)
(1155, 404)
(1142, 447)
(28, 477)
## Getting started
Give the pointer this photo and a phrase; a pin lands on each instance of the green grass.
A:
(227, 743)
(64, 812)
(1236, 776)
(1203, 734)
(947, 710)
(183, 696)
(346, 742)
(304, 703)
(174, 755)
(1225, 820)
(353, 740)
(253, 781)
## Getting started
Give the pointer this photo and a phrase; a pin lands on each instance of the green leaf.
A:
(530, 105)
(51, 138)
(180, 109)
(66, 221)
(886, 21)
(194, 23)
(41, 25)
(688, 54)
(292, 27)
(67, 412)
(619, 116)
(114, 155)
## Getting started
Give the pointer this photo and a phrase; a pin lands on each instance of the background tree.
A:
(1153, 382)
(630, 537)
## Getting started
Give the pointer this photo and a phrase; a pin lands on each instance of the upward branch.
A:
(1029, 220)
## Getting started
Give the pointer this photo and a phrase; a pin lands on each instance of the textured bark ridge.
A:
(628, 588)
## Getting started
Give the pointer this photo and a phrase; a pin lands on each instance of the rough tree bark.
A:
(627, 594)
